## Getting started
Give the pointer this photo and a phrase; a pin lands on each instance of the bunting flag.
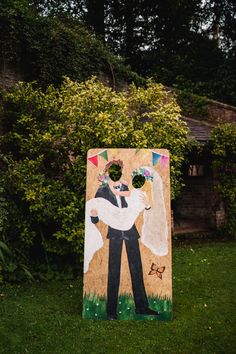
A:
(104, 154)
(155, 158)
(94, 160)
(164, 160)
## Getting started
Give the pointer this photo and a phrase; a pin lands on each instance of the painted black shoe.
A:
(111, 317)
(147, 312)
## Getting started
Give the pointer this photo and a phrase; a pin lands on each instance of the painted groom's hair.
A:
(113, 162)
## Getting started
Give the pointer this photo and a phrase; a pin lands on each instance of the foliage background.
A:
(46, 136)
(190, 43)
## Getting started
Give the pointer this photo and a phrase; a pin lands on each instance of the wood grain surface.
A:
(95, 280)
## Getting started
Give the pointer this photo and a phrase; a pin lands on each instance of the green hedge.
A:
(43, 154)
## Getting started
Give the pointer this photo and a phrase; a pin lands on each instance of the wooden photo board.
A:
(127, 259)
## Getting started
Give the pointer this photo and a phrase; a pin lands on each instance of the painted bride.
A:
(154, 231)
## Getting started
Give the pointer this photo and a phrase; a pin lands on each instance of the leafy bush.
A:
(223, 141)
(44, 145)
(13, 265)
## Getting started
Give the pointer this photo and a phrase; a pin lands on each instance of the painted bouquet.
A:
(103, 178)
(143, 172)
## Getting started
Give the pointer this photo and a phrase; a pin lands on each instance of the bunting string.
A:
(156, 157)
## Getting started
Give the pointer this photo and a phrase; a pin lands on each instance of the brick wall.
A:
(219, 217)
(200, 202)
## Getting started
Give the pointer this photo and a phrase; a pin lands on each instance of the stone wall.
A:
(9, 76)
(221, 113)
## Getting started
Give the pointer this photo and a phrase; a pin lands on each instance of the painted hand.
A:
(93, 212)
(143, 198)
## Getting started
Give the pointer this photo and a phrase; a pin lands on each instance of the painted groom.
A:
(116, 240)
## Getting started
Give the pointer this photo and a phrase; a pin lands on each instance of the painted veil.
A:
(154, 233)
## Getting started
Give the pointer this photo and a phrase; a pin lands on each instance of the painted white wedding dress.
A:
(154, 231)
(118, 218)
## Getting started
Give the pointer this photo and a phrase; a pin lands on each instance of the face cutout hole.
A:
(138, 181)
(115, 172)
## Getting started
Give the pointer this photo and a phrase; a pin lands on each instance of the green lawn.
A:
(46, 317)
(95, 308)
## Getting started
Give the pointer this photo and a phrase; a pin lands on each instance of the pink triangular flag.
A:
(94, 160)
(164, 160)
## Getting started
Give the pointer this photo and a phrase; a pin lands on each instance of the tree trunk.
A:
(217, 13)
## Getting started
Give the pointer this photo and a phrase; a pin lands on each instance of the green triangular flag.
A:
(104, 154)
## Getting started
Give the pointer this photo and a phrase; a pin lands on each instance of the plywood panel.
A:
(158, 291)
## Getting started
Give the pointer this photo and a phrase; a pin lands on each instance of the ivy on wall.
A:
(223, 144)
(45, 48)
(192, 105)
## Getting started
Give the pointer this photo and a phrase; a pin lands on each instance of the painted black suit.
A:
(116, 237)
